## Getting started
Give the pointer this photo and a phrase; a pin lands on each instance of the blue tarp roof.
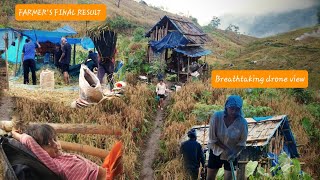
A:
(51, 36)
(192, 51)
(41, 36)
(171, 40)
(66, 29)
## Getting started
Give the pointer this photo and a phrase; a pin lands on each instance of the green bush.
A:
(302, 96)
(138, 34)
(286, 169)
(120, 24)
(314, 109)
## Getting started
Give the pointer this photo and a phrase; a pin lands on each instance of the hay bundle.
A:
(47, 79)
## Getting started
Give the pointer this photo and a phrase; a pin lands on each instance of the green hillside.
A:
(225, 45)
(284, 52)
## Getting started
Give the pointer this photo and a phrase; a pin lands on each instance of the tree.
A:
(215, 22)
(194, 20)
(233, 28)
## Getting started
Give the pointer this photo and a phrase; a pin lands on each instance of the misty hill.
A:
(284, 52)
(271, 24)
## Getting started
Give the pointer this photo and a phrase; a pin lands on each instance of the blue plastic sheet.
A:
(12, 51)
(171, 40)
(193, 51)
(87, 43)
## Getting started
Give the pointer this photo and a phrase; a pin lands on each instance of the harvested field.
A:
(132, 113)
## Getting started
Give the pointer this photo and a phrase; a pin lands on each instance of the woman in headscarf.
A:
(228, 133)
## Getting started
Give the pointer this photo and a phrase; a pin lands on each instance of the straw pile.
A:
(132, 113)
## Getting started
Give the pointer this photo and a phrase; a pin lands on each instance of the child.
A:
(161, 90)
(42, 141)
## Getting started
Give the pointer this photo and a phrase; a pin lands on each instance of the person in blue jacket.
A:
(192, 154)
(28, 58)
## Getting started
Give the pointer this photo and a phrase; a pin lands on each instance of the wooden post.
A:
(74, 54)
(178, 68)
(17, 55)
(188, 69)
(6, 42)
(166, 55)
(167, 27)
(241, 172)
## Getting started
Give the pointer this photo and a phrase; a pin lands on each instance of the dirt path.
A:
(149, 153)
(6, 107)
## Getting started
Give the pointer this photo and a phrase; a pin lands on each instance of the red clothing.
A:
(68, 166)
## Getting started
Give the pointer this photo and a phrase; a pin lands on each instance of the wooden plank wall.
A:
(157, 34)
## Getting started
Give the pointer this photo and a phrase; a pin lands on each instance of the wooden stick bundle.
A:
(101, 153)
(71, 128)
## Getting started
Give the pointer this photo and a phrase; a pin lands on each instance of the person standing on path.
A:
(161, 89)
(28, 58)
(65, 59)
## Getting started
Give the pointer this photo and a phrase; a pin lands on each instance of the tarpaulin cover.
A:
(289, 148)
(87, 43)
(10, 37)
(66, 29)
(192, 51)
(12, 51)
(171, 40)
(51, 36)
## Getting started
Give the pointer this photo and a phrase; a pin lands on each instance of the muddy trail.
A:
(152, 145)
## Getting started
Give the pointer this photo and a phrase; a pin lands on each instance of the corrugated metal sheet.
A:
(259, 133)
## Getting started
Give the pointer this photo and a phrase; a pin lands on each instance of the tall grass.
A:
(259, 102)
(132, 114)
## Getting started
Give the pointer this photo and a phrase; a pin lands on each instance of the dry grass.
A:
(128, 113)
(283, 52)
(169, 164)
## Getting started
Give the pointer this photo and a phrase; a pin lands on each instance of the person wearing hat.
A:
(228, 132)
(192, 154)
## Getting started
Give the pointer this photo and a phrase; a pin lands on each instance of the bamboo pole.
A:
(6, 40)
(71, 128)
(85, 129)
(101, 153)
(188, 69)
(167, 27)
(17, 55)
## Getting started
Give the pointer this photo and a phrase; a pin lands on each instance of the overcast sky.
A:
(204, 10)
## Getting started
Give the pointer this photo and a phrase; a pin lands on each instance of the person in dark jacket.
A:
(65, 59)
(57, 54)
(94, 57)
(192, 154)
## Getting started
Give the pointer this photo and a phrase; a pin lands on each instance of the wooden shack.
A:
(177, 41)
(265, 135)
